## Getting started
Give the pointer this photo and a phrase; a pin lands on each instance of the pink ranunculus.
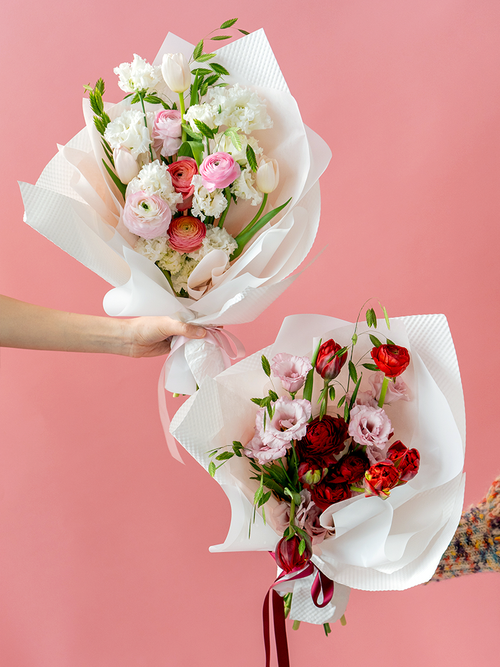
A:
(371, 427)
(218, 171)
(289, 422)
(396, 390)
(291, 370)
(146, 215)
(186, 234)
(167, 132)
(182, 172)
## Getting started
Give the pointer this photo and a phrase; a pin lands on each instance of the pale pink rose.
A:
(182, 172)
(306, 517)
(146, 215)
(291, 370)
(218, 171)
(186, 234)
(167, 132)
(372, 428)
(289, 422)
(396, 391)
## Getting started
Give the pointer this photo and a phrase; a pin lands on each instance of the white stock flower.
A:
(216, 239)
(179, 279)
(154, 178)
(222, 142)
(137, 75)
(244, 187)
(204, 202)
(239, 107)
(153, 249)
(171, 260)
(129, 131)
(204, 112)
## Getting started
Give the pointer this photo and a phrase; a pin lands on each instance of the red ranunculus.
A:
(327, 493)
(407, 461)
(391, 359)
(380, 479)
(186, 233)
(288, 557)
(328, 364)
(324, 439)
(351, 468)
(181, 172)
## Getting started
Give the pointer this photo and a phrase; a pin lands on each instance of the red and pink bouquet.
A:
(341, 450)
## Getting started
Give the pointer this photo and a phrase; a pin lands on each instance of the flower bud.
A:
(176, 72)
(268, 176)
(328, 364)
(126, 165)
(288, 557)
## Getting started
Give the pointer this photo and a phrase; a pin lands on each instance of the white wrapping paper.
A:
(76, 205)
(378, 544)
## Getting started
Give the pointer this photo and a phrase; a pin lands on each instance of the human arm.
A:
(25, 325)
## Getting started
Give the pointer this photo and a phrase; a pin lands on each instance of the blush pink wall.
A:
(104, 539)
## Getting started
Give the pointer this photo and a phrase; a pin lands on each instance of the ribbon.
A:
(220, 339)
(321, 585)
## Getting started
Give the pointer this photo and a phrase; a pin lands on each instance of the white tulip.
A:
(126, 165)
(268, 176)
(176, 72)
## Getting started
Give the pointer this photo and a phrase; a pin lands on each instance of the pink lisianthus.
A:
(291, 370)
(289, 422)
(370, 427)
(146, 215)
(306, 517)
(186, 234)
(218, 171)
(256, 449)
(167, 132)
(396, 390)
(182, 172)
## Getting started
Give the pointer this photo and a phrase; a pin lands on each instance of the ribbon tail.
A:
(165, 417)
(280, 631)
(266, 628)
(322, 584)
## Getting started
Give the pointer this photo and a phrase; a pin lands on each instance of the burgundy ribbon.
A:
(321, 585)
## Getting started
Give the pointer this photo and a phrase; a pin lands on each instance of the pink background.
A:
(103, 537)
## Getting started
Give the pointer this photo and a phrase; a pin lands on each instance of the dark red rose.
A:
(380, 479)
(328, 364)
(407, 461)
(310, 473)
(391, 359)
(288, 557)
(327, 493)
(323, 440)
(351, 468)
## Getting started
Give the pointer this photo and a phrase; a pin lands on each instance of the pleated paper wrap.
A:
(378, 544)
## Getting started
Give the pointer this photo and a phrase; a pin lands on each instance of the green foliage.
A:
(375, 341)
(212, 468)
(371, 367)
(198, 50)
(204, 57)
(204, 129)
(352, 372)
(228, 24)
(218, 38)
(252, 160)
(232, 133)
(371, 318)
(266, 366)
(219, 69)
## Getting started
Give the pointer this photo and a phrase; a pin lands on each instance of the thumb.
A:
(188, 330)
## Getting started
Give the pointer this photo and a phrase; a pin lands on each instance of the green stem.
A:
(296, 625)
(141, 97)
(292, 512)
(383, 392)
(227, 194)
(183, 111)
(257, 216)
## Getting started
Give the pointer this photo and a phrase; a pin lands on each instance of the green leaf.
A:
(225, 456)
(203, 89)
(352, 372)
(228, 24)
(219, 69)
(375, 341)
(354, 338)
(204, 57)
(341, 401)
(252, 160)
(243, 238)
(100, 127)
(332, 393)
(386, 317)
(185, 150)
(105, 119)
(257, 401)
(121, 187)
(219, 38)
(258, 495)
(390, 342)
(264, 499)
(266, 366)
(243, 32)
(210, 80)
(96, 103)
(201, 71)
(153, 99)
(273, 395)
(189, 130)
(322, 410)
(197, 150)
(204, 129)
(346, 412)
(232, 133)
(88, 88)
(371, 367)
(340, 353)
(135, 99)
(355, 392)
(211, 468)
(198, 50)
(302, 546)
